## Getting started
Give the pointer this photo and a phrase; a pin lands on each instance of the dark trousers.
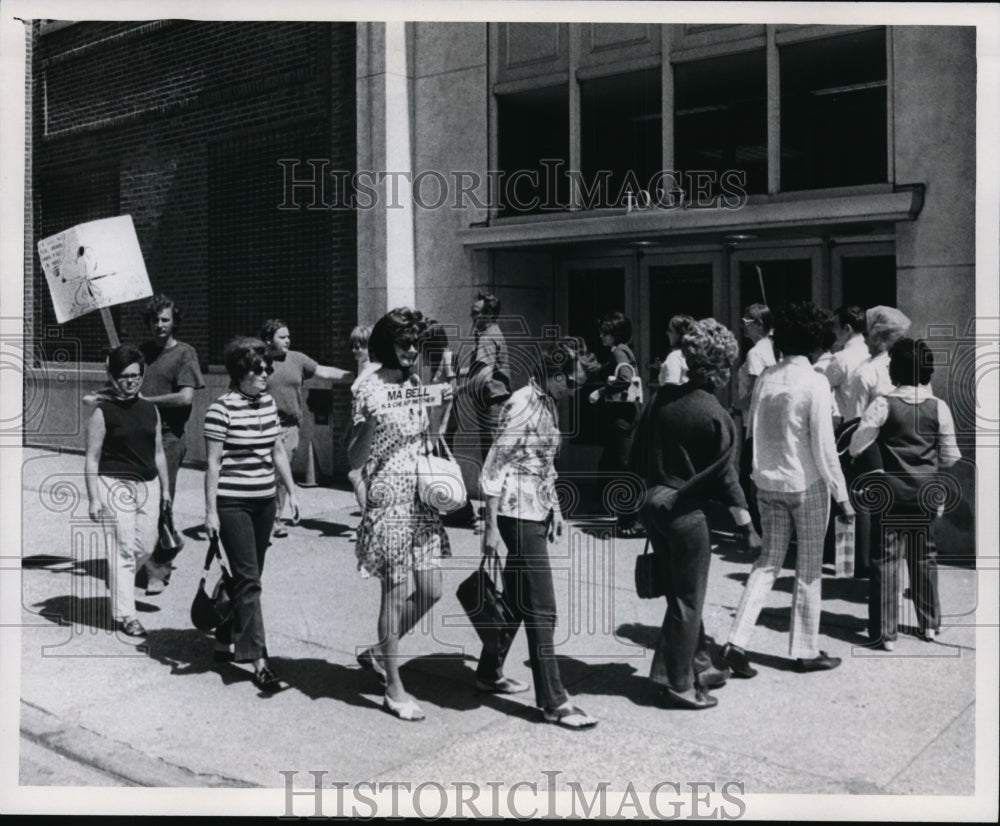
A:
(527, 584)
(617, 422)
(487, 421)
(680, 540)
(245, 530)
(915, 544)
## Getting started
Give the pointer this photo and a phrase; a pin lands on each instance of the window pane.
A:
(833, 111)
(720, 117)
(533, 126)
(869, 280)
(674, 290)
(621, 132)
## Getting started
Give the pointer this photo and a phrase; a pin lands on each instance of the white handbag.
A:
(439, 479)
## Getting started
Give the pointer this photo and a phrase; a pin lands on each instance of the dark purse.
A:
(168, 542)
(648, 582)
(486, 607)
(209, 610)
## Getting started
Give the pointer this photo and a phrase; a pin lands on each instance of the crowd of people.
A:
(809, 377)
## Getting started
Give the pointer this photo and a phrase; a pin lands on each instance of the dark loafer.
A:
(505, 685)
(824, 662)
(699, 701)
(737, 661)
(265, 680)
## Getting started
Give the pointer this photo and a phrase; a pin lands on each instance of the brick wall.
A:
(129, 113)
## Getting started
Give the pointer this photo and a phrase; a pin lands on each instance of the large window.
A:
(533, 142)
(720, 117)
(869, 280)
(621, 133)
(834, 111)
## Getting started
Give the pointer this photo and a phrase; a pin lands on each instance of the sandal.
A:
(569, 716)
(132, 627)
(505, 685)
(406, 710)
(366, 659)
(635, 532)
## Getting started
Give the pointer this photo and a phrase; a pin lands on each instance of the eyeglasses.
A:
(749, 321)
(262, 367)
(130, 378)
(406, 343)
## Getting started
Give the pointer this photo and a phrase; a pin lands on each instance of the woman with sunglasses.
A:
(243, 452)
(398, 532)
(126, 475)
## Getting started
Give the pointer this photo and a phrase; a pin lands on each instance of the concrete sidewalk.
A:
(901, 723)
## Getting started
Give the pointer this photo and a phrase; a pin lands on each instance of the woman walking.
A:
(399, 534)
(619, 400)
(518, 483)
(126, 475)
(243, 453)
(685, 450)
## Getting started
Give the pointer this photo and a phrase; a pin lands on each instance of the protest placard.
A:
(92, 266)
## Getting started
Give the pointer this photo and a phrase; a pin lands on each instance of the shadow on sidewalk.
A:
(325, 528)
(89, 612)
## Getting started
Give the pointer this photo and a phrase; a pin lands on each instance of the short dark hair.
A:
(829, 337)
(617, 326)
(491, 304)
(910, 362)
(394, 326)
(760, 313)
(122, 356)
(156, 305)
(680, 324)
(798, 328)
(269, 328)
(243, 354)
(851, 316)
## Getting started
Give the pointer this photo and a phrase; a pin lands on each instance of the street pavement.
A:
(98, 710)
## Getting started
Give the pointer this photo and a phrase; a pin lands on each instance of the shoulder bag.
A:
(486, 606)
(209, 610)
(439, 477)
(648, 582)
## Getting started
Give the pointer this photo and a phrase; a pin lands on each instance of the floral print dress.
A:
(398, 532)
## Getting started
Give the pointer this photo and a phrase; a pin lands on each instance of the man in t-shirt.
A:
(172, 376)
(291, 369)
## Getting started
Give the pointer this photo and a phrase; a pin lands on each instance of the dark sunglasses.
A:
(262, 367)
(406, 342)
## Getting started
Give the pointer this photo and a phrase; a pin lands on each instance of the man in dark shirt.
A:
(172, 376)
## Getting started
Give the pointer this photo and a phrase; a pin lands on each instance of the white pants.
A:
(129, 537)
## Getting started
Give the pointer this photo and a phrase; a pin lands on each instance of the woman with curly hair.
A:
(685, 450)
(398, 532)
(796, 470)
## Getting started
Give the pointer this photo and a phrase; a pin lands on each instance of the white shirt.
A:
(877, 412)
(842, 367)
(793, 442)
(760, 357)
(866, 383)
(674, 369)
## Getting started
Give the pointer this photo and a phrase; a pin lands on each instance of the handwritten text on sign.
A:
(408, 395)
(94, 265)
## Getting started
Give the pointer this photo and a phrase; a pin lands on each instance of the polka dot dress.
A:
(398, 532)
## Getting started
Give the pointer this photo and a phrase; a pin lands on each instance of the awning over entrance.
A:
(823, 215)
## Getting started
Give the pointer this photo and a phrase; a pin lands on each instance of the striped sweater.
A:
(247, 429)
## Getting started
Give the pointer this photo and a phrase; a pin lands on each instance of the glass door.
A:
(675, 285)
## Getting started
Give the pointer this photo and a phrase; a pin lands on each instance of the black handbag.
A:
(648, 582)
(486, 607)
(209, 610)
(168, 542)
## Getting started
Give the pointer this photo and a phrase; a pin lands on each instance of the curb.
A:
(119, 760)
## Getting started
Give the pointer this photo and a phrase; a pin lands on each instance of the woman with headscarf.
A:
(126, 475)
